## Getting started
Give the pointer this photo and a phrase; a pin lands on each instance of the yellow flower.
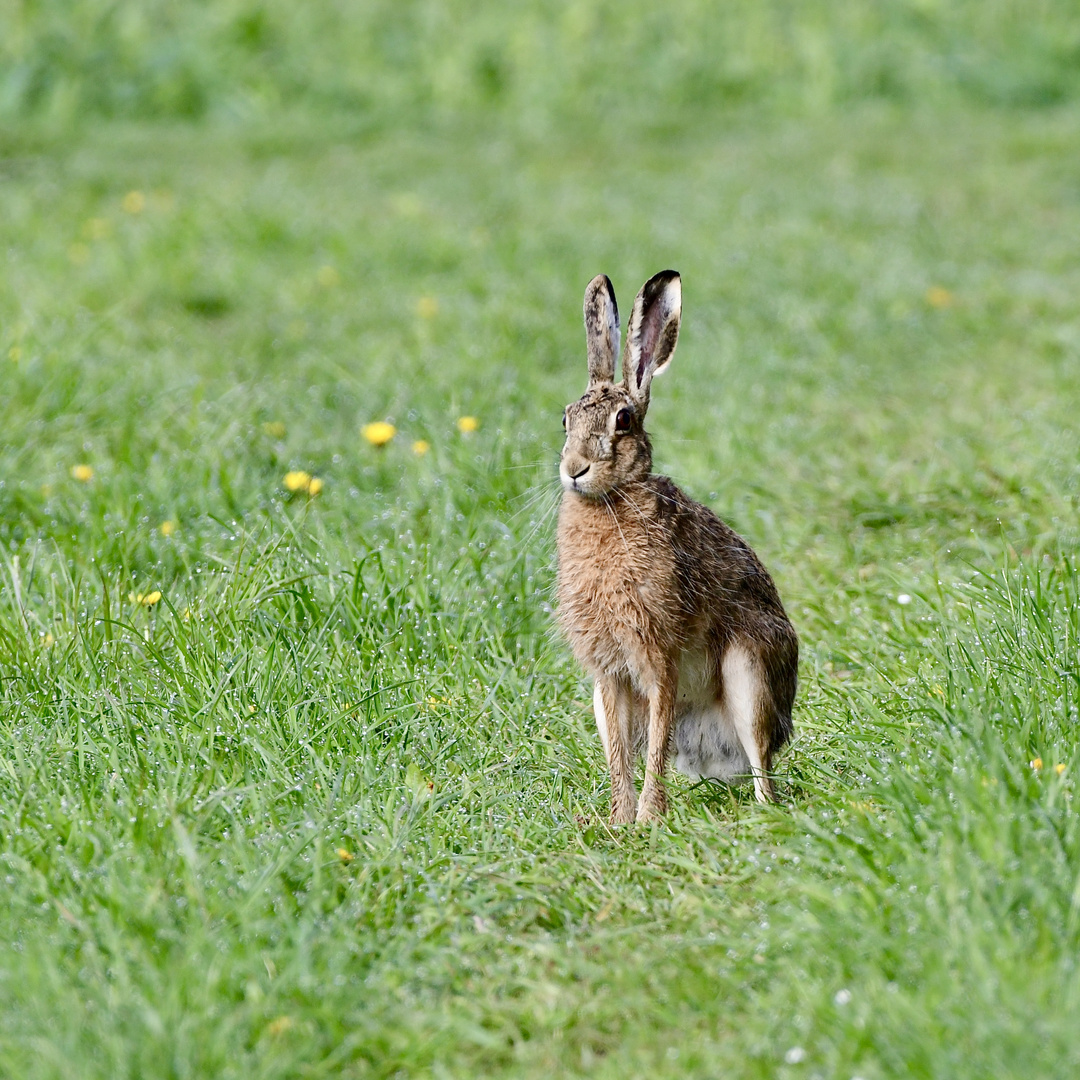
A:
(48, 640)
(1036, 763)
(134, 202)
(280, 1025)
(83, 473)
(328, 277)
(378, 433)
(937, 297)
(343, 855)
(274, 428)
(1059, 768)
(79, 254)
(467, 424)
(427, 307)
(145, 599)
(97, 228)
(299, 480)
(167, 528)
(15, 353)
(421, 447)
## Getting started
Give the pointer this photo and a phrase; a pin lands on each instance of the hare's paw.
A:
(653, 804)
(622, 811)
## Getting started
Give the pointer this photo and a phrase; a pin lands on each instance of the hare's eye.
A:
(564, 419)
(622, 420)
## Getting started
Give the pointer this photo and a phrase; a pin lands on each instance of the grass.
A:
(334, 805)
(544, 65)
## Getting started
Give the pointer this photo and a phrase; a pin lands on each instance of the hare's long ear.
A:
(601, 329)
(652, 333)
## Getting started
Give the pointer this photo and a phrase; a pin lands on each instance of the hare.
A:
(667, 608)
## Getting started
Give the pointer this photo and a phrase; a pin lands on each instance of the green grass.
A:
(373, 671)
(543, 64)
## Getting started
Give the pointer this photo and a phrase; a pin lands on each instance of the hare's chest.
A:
(614, 608)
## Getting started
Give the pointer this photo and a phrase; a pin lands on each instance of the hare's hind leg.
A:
(746, 698)
(612, 703)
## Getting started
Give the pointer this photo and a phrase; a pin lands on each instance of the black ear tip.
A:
(658, 283)
(601, 284)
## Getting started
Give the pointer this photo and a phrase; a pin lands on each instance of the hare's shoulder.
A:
(708, 551)
(694, 523)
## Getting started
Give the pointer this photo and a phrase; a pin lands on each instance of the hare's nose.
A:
(581, 472)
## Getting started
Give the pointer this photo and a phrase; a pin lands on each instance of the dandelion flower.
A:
(378, 433)
(1036, 763)
(328, 277)
(274, 428)
(167, 528)
(937, 297)
(280, 1025)
(343, 855)
(467, 424)
(134, 202)
(97, 228)
(421, 447)
(1059, 768)
(15, 353)
(145, 599)
(297, 480)
(83, 473)
(79, 254)
(427, 307)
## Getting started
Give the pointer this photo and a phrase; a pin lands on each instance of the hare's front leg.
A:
(612, 703)
(653, 802)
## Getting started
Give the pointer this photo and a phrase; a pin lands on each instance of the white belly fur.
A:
(706, 739)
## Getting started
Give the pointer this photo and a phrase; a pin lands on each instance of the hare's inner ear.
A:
(652, 332)
(601, 329)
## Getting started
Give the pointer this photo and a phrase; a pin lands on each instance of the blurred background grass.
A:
(538, 64)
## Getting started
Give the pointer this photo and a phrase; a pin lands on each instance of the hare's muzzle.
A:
(573, 471)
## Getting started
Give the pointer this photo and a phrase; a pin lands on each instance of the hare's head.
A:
(606, 444)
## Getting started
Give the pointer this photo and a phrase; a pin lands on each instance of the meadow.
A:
(296, 779)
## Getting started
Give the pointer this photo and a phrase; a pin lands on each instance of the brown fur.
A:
(649, 578)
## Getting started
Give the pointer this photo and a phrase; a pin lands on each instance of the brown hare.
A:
(668, 609)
